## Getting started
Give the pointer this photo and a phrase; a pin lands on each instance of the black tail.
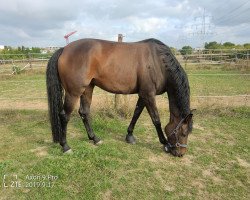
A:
(55, 95)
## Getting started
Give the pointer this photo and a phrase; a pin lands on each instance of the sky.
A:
(42, 23)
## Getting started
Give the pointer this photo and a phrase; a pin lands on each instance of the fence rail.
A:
(238, 58)
(225, 59)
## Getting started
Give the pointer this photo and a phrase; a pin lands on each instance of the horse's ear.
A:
(188, 118)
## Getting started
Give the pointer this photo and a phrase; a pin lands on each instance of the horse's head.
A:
(177, 133)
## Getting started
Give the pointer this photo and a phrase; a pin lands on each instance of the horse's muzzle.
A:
(170, 149)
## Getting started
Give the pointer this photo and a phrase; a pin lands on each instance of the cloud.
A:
(146, 25)
(44, 22)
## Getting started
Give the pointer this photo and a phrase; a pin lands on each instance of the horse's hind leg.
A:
(68, 107)
(84, 110)
(138, 110)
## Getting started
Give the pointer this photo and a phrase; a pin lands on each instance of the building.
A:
(49, 49)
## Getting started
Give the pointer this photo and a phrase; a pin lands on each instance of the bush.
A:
(186, 50)
(16, 69)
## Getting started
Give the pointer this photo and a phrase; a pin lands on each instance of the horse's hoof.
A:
(68, 151)
(96, 140)
(98, 143)
(130, 139)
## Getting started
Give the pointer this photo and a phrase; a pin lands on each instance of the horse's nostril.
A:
(176, 154)
(179, 154)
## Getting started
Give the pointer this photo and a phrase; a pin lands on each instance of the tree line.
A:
(18, 53)
(215, 46)
(20, 50)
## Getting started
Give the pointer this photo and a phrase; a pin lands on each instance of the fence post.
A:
(247, 59)
(118, 97)
(120, 37)
(30, 60)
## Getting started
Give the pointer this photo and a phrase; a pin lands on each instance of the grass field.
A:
(28, 90)
(217, 165)
(202, 82)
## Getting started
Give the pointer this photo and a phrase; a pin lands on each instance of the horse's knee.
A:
(83, 113)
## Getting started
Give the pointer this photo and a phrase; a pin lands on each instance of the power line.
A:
(230, 12)
(220, 5)
(235, 16)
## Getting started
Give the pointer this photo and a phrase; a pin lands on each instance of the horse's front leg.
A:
(84, 110)
(153, 112)
(138, 110)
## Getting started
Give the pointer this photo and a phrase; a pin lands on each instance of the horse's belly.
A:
(117, 84)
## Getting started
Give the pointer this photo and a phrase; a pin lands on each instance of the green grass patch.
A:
(31, 85)
(214, 85)
(215, 167)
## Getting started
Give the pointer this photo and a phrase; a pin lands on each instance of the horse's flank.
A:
(124, 68)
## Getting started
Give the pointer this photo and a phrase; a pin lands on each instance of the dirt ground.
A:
(129, 102)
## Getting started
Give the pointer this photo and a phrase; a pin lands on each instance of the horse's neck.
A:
(176, 112)
(177, 84)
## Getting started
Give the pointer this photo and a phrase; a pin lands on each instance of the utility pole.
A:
(202, 28)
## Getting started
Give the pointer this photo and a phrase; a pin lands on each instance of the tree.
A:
(186, 50)
(7, 48)
(212, 45)
(35, 50)
(228, 45)
(246, 46)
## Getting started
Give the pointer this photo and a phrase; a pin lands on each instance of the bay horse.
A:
(147, 68)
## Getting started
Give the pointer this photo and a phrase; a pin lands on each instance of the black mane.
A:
(177, 81)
